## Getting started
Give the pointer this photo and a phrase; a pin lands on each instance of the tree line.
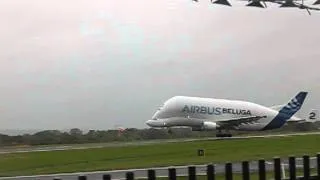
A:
(77, 136)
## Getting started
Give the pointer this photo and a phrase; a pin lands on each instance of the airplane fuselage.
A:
(194, 111)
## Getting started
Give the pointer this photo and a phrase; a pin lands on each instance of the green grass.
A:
(156, 155)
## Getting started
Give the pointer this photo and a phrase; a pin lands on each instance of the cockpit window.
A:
(160, 108)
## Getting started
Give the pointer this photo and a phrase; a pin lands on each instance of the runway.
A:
(142, 173)
(162, 171)
(119, 144)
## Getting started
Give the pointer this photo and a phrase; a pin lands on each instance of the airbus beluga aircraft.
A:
(221, 114)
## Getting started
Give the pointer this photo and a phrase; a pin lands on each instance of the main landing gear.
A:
(220, 134)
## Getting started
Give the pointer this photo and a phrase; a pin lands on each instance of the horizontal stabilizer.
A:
(277, 107)
(312, 117)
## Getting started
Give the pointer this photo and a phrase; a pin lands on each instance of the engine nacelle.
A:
(207, 125)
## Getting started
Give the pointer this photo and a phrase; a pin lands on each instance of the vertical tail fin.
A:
(287, 111)
(294, 105)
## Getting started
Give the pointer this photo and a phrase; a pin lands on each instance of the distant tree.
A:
(45, 137)
(4, 140)
(75, 132)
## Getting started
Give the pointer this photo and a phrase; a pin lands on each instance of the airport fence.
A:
(228, 174)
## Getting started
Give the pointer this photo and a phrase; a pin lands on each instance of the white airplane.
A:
(221, 114)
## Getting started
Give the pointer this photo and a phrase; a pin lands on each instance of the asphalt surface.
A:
(103, 145)
(163, 172)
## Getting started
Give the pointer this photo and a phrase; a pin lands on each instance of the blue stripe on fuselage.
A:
(287, 111)
(277, 121)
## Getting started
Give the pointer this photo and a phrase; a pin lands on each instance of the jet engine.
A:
(207, 125)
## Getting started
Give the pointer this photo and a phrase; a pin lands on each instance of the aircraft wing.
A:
(296, 121)
(230, 123)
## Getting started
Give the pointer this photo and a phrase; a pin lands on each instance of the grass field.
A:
(156, 155)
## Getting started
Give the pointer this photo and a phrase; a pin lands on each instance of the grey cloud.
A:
(95, 65)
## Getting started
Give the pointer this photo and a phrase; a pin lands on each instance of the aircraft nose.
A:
(155, 123)
(149, 122)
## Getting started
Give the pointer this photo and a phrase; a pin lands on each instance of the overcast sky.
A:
(101, 64)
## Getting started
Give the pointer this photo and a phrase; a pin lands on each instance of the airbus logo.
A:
(214, 110)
